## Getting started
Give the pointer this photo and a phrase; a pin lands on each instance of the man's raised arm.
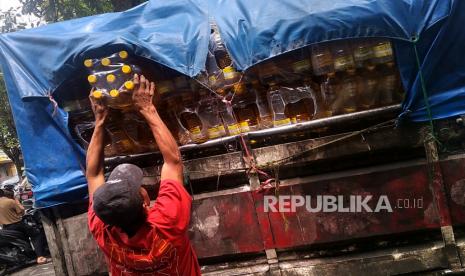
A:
(94, 162)
(143, 101)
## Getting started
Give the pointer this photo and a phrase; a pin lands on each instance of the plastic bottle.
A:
(368, 87)
(329, 94)
(389, 84)
(173, 104)
(190, 120)
(278, 106)
(322, 59)
(245, 108)
(264, 110)
(111, 78)
(343, 59)
(268, 72)
(363, 53)
(139, 132)
(120, 142)
(301, 103)
(210, 116)
(301, 63)
(382, 50)
(349, 92)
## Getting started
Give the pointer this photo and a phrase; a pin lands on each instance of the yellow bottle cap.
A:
(126, 69)
(129, 85)
(229, 69)
(88, 63)
(97, 94)
(92, 78)
(106, 61)
(123, 54)
(114, 93)
(111, 78)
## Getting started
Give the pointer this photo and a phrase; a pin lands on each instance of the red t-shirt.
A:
(160, 247)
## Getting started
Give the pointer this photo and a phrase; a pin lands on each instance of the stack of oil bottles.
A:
(313, 82)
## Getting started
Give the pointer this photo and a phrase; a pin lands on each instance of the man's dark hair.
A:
(8, 193)
(2, 193)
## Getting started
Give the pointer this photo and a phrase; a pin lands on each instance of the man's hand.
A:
(100, 109)
(143, 95)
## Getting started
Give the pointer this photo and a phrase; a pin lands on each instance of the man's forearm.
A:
(165, 140)
(95, 158)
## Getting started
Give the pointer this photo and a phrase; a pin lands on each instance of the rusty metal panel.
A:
(291, 229)
(454, 182)
(225, 225)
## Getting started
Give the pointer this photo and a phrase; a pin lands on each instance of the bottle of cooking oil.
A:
(368, 87)
(278, 106)
(382, 50)
(363, 53)
(245, 108)
(120, 142)
(190, 120)
(322, 59)
(223, 59)
(343, 59)
(209, 114)
(165, 88)
(111, 78)
(301, 103)
(215, 75)
(349, 91)
(138, 131)
(268, 72)
(173, 107)
(301, 63)
(227, 112)
(389, 84)
(264, 110)
(330, 89)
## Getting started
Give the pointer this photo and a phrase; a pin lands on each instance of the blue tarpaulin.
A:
(176, 34)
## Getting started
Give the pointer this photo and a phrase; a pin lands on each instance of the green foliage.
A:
(57, 10)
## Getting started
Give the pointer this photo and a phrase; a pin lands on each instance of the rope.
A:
(424, 92)
(55, 104)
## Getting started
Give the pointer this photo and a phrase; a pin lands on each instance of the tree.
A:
(58, 10)
(9, 143)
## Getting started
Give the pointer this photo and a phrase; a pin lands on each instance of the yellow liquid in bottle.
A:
(300, 111)
(329, 93)
(349, 91)
(247, 116)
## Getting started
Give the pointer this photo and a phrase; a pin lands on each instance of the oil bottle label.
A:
(245, 126)
(383, 50)
(363, 53)
(195, 130)
(229, 73)
(234, 129)
(342, 63)
(301, 66)
(215, 132)
(283, 122)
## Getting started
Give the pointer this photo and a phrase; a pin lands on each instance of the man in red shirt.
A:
(137, 239)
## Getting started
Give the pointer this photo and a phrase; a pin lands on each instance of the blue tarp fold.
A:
(175, 34)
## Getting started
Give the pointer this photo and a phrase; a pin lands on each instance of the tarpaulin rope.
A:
(54, 102)
(415, 39)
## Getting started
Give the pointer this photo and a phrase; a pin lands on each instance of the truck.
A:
(369, 191)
